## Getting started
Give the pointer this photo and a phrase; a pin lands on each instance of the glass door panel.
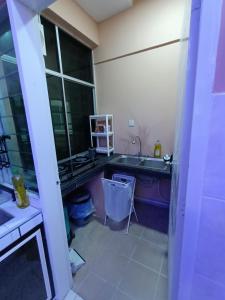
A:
(51, 59)
(55, 92)
(76, 58)
(79, 106)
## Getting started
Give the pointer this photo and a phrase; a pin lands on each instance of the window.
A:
(76, 58)
(12, 113)
(69, 75)
(51, 59)
(55, 92)
(79, 106)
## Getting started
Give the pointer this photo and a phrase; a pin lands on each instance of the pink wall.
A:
(147, 23)
(141, 86)
(144, 88)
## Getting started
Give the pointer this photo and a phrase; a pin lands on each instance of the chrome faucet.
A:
(134, 142)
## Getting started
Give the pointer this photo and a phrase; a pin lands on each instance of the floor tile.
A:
(162, 289)
(90, 242)
(110, 266)
(95, 288)
(91, 227)
(120, 266)
(148, 254)
(156, 237)
(90, 252)
(91, 231)
(164, 270)
(80, 276)
(122, 243)
(121, 296)
(136, 230)
(138, 282)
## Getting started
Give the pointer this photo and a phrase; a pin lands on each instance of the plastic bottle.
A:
(20, 191)
(158, 149)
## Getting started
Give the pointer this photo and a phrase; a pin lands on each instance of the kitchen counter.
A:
(24, 219)
(78, 180)
(102, 163)
(20, 216)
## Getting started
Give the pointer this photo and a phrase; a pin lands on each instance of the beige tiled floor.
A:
(120, 266)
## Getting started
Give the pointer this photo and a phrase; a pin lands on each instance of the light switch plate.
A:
(131, 123)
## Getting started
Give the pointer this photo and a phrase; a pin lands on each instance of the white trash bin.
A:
(119, 197)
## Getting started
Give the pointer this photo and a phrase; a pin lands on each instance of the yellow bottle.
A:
(20, 191)
(158, 149)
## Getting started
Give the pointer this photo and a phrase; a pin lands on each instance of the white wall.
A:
(141, 86)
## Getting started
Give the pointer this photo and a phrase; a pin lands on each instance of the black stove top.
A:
(74, 166)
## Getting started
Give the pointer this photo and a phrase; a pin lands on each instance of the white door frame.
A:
(37, 236)
(28, 48)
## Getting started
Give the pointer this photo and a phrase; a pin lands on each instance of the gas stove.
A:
(72, 167)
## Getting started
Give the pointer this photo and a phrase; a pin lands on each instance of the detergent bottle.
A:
(158, 149)
(22, 199)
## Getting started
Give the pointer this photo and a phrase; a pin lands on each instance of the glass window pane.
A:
(10, 85)
(15, 124)
(12, 112)
(23, 147)
(16, 102)
(51, 59)
(20, 159)
(9, 64)
(6, 41)
(76, 58)
(55, 92)
(79, 106)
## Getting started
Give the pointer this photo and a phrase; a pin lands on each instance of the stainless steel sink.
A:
(4, 217)
(154, 164)
(141, 162)
(130, 160)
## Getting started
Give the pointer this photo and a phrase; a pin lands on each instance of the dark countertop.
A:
(102, 163)
(83, 177)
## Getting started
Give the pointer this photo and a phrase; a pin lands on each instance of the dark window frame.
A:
(65, 77)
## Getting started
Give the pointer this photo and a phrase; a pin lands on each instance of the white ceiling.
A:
(37, 5)
(101, 10)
